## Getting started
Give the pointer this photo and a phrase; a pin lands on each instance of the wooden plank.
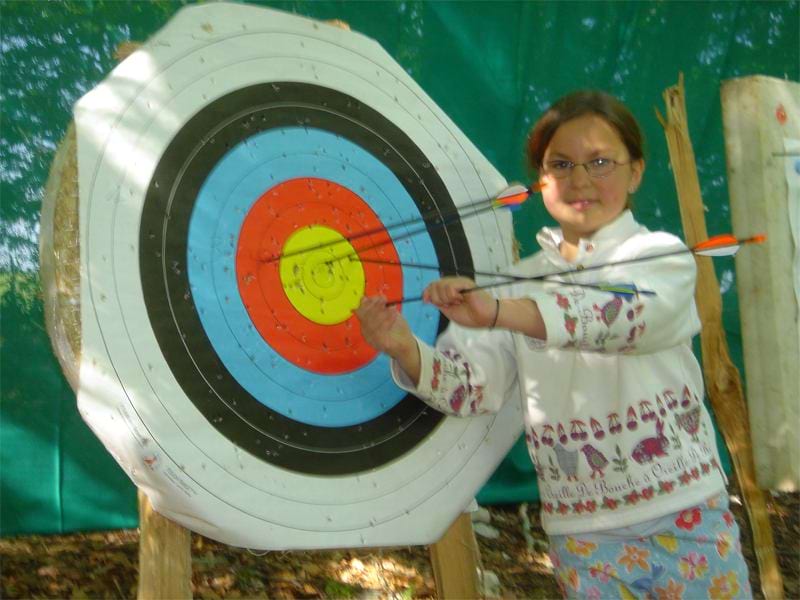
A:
(758, 113)
(165, 558)
(455, 562)
(722, 378)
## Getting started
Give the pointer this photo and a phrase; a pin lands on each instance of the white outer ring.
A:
(128, 394)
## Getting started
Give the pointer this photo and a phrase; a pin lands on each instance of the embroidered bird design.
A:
(568, 461)
(689, 421)
(597, 461)
(609, 312)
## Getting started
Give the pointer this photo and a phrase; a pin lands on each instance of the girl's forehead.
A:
(587, 132)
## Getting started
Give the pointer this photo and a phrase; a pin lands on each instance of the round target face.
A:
(267, 347)
(245, 179)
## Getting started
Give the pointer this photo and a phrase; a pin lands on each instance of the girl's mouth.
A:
(581, 205)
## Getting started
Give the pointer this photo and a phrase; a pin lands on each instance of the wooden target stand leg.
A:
(454, 559)
(722, 378)
(165, 556)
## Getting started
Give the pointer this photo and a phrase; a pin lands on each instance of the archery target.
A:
(245, 179)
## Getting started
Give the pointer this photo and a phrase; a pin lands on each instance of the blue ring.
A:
(236, 182)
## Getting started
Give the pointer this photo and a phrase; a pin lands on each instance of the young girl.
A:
(632, 494)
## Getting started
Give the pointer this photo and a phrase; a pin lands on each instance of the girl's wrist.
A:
(521, 315)
(402, 347)
(410, 361)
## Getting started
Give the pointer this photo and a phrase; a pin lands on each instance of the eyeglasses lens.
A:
(600, 169)
(596, 168)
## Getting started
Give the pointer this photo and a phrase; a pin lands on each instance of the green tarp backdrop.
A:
(492, 66)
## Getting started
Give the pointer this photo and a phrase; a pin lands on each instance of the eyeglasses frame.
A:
(586, 168)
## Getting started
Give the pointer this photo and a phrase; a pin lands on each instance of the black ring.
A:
(167, 210)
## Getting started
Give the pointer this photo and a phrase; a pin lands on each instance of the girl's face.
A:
(580, 203)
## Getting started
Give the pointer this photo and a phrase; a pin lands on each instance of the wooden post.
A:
(758, 113)
(722, 378)
(165, 557)
(455, 562)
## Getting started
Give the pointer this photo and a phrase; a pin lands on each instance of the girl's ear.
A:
(637, 171)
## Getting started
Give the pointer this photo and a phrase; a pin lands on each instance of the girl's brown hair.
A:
(575, 105)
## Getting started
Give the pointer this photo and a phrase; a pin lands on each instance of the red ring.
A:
(279, 212)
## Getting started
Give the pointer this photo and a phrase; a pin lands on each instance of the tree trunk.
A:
(722, 378)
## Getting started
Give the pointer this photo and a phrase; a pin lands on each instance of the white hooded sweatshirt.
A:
(614, 418)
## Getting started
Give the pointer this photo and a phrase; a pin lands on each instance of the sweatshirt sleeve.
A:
(597, 321)
(469, 372)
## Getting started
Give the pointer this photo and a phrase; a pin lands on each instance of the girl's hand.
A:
(384, 328)
(474, 309)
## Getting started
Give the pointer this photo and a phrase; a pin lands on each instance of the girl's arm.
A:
(385, 329)
(470, 372)
(479, 309)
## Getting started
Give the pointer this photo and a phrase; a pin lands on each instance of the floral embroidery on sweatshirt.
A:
(457, 398)
(450, 369)
(616, 321)
(437, 371)
(611, 501)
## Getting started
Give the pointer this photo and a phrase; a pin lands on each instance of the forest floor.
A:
(104, 565)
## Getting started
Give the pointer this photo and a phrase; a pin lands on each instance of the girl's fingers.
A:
(371, 304)
(376, 321)
(374, 313)
(431, 293)
(369, 311)
(456, 296)
(447, 292)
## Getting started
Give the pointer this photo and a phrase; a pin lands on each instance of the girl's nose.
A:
(579, 176)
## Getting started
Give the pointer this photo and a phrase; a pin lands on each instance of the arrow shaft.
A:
(429, 218)
(510, 279)
(433, 227)
(572, 271)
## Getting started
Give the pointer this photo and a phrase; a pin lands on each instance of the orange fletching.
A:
(727, 239)
(725, 244)
(513, 199)
(717, 241)
(517, 194)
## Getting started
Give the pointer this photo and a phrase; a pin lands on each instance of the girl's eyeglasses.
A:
(597, 168)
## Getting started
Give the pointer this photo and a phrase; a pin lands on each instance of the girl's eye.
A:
(560, 165)
(600, 167)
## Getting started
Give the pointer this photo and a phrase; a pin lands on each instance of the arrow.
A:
(511, 198)
(719, 245)
(621, 289)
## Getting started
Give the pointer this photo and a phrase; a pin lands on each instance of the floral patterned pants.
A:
(695, 553)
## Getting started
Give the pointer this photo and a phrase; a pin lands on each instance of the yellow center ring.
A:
(321, 275)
